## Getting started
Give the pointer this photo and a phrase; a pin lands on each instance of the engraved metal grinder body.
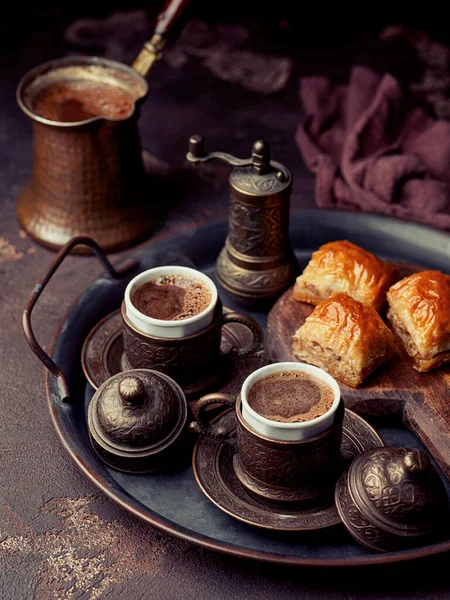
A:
(257, 262)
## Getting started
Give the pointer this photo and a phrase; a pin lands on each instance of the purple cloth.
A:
(371, 150)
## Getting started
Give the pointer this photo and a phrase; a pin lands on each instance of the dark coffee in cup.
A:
(73, 101)
(290, 397)
(172, 297)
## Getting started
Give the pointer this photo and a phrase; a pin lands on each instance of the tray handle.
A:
(115, 272)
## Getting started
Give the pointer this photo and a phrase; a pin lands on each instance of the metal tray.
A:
(173, 502)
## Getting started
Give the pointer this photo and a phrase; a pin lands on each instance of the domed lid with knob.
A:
(136, 414)
(391, 498)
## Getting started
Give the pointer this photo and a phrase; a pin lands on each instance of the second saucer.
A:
(103, 353)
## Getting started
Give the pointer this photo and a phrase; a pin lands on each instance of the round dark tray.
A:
(174, 502)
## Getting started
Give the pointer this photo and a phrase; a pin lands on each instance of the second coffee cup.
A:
(173, 320)
(293, 453)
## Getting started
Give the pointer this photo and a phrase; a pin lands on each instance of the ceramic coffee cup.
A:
(161, 327)
(280, 462)
(288, 431)
(187, 350)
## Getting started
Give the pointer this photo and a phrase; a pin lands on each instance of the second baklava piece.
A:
(346, 338)
(419, 312)
(342, 266)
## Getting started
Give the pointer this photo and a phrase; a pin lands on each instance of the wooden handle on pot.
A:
(165, 22)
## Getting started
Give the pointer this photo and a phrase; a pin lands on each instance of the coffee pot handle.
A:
(202, 424)
(257, 347)
(114, 272)
(166, 20)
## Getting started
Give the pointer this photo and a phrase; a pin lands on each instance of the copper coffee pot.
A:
(88, 176)
(257, 262)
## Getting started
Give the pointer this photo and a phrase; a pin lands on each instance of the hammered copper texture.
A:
(87, 180)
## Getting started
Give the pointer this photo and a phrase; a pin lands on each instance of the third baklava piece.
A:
(419, 312)
(346, 338)
(342, 266)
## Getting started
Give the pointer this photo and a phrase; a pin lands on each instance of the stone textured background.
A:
(60, 538)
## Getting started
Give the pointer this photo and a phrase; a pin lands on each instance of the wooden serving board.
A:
(421, 399)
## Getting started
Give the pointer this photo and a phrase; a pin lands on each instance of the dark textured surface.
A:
(60, 538)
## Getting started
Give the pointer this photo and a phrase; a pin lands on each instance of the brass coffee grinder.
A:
(257, 262)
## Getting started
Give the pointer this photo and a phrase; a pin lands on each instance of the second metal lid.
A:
(391, 498)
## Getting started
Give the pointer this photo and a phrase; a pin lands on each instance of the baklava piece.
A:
(346, 338)
(341, 266)
(419, 312)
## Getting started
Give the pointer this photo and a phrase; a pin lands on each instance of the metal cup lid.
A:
(136, 414)
(391, 498)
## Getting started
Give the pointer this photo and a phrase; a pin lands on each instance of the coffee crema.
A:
(172, 297)
(79, 100)
(290, 397)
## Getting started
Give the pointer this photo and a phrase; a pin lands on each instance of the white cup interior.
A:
(289, 431)
(163, 327)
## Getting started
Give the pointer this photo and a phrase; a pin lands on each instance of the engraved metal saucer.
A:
(212, 463)
(102, 355)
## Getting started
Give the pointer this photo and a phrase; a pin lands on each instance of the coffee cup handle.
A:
(257, 346)
(202, 424)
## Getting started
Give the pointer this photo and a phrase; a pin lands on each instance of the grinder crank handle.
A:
(165, 23)
(115, 272)
(259, 160)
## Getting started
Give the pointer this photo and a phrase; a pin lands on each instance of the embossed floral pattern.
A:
(142, 423)
(284, 467)
(185, 361)
(389, 489)
(257, 231)
(252, 280)
(362, 529)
